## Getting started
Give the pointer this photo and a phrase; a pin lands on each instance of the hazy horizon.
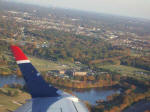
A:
(132, 8)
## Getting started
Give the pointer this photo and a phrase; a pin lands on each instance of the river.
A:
(90, 95)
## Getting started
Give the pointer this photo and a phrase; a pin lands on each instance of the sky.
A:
(132, 8)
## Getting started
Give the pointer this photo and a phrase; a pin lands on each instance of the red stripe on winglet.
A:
(18, 54)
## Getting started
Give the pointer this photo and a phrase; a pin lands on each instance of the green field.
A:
(45, 65)
(126, 71)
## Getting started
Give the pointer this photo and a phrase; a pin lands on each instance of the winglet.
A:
(35, 83)
(19, 55)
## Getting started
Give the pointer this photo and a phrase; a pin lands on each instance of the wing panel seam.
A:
(75, 106)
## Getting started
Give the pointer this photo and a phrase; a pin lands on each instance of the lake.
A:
(94, 94)
(90, 95)
(11, 80)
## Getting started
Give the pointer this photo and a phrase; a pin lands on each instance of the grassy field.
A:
(8, 103)
(127, 71)
(41, 65)
(45, 65)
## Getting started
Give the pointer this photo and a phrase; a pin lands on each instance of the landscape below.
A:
(77, 56)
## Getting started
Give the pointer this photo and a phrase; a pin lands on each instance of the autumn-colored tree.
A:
(91, 78)
(18, 72)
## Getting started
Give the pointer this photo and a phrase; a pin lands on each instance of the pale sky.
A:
(132, 8)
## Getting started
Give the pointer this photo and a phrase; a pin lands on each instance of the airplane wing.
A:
(45, 97)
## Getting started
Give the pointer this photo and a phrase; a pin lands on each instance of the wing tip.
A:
(18, 54)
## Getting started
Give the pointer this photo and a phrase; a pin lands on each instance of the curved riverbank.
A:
(141, 106)
(68, 83)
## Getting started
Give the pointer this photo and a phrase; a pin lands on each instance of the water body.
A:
(90, 95)
(11, 80)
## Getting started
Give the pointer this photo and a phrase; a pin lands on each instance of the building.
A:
(62, 72)
(79, 73)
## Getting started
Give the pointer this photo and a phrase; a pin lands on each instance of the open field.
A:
(45, 65)
(9, 103)
(127, 71)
